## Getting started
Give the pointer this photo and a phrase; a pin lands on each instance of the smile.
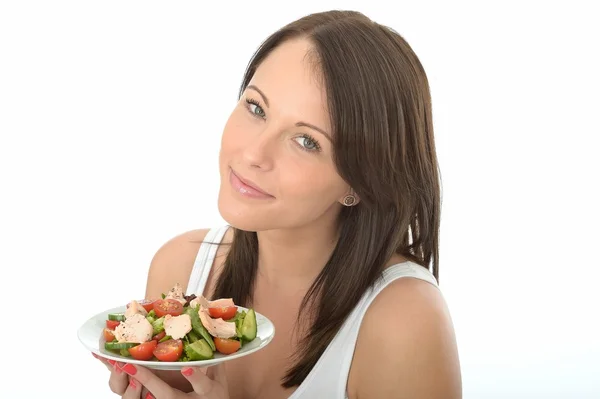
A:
(246, 187)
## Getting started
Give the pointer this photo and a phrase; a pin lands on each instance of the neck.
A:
(292, 259)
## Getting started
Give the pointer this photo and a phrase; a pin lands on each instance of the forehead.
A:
(291, 79)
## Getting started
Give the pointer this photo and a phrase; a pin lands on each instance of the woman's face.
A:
(276, 163)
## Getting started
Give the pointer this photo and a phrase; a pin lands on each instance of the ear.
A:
(350, 199)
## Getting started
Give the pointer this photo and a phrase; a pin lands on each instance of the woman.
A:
(329, 182)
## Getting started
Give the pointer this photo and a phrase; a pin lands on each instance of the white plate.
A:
(90, 335)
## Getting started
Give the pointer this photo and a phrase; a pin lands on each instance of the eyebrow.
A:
(298, 124)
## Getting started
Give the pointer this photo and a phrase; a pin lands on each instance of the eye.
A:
(307, 143)
(255, 108)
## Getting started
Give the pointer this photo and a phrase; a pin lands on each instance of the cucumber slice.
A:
(125, 352)
(116, 317)
(199, 350)
(113, 346)
(248, 328)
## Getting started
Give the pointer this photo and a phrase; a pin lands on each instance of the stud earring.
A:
(349, 200)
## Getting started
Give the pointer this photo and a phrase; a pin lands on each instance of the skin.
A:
(296, 232)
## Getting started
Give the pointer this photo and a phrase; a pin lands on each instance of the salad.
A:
(179, 328)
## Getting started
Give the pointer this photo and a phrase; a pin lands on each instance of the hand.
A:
(118, 381)
(131, 381)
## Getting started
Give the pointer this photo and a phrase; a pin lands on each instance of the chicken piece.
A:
(176, 293)
(177, 326)
(136, 329)
(135, 308)
(218, 303)
(216, 327)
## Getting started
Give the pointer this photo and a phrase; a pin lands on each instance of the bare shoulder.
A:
(173, 262)
(406, 346)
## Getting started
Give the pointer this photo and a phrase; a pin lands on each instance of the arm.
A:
(406, 347)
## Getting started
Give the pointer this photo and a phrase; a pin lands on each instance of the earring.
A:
(349, 200)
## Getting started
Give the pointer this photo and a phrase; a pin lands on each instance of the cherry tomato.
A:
(224, 313)
(112, 324)
(164, 307)
(143, 351)
(108, 335)
(159, 336)
(227, 346)
(146, 304)
(169, 351)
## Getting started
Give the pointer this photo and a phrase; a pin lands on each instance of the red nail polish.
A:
(132, 383)
(187, 372)
(129, 369)
(112, 362)
(150, 396)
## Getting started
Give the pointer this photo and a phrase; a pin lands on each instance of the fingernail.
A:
(150, 396)
(187, 372)
(132, 383)
(129, 369)
(96, 356)
(112, 362)
(117, 368)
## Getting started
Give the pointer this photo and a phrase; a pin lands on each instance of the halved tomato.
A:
(108, 335)
(227, 346)
(224, 313)
(169, 351)
(164, 307)
(112, 324)
(143, 351)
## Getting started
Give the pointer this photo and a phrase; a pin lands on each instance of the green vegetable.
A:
(163, 296)
(165, 338)
(152, 314)
(112, 346)
(239, 320)
(199, 329)
(248, 328)
(150, 319)
(157, 326)
(125, 352)
(193, 337)
(199, 350)
(116, 317)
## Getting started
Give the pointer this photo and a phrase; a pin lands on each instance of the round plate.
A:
(90, 335)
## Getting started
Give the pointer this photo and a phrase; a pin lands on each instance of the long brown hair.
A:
(380, 106)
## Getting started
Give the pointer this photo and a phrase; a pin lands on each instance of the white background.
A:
(110, 120)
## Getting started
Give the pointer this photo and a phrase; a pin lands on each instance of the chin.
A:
(244, 216)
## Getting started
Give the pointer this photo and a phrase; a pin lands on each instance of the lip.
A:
(247, 187)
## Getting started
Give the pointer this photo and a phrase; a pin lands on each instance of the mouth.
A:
(247, 187)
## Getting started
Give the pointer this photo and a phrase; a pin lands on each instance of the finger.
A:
(107, 362)
(201, 382)
(148, 379)
(134, 389)
(118, 380)
(217, 373)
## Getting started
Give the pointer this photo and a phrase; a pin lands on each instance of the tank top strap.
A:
(204, 260)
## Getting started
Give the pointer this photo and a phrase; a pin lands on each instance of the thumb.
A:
(202, 384)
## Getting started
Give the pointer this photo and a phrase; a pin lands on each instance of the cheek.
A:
(311, 183)
(232, 138)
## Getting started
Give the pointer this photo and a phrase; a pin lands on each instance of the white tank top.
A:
(329, 376)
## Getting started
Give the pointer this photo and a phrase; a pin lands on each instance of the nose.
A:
(259, 151)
